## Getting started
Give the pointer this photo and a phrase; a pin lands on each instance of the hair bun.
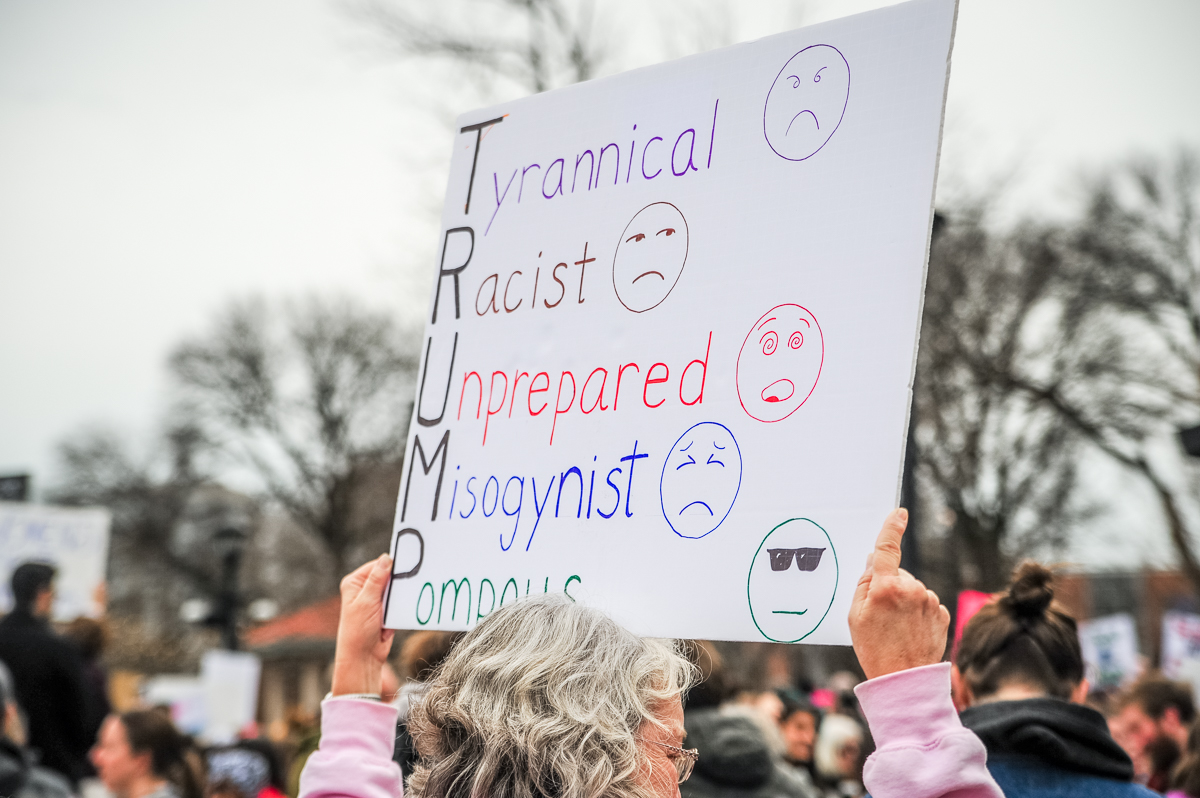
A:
(1031, 591)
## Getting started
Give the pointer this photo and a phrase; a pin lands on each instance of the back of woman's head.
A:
(151, 731)
(423, 651)
(89, 636)
(544, 698)
(1023, 638)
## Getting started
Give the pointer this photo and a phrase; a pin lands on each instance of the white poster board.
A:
(1109, 650)
(74, 540)
(672, 337)
(230, 680)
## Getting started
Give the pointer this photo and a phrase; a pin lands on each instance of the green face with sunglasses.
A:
(792, 580)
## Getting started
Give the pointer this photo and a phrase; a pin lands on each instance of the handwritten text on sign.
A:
(672, 334)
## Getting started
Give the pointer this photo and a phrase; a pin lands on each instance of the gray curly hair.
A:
(544, 699)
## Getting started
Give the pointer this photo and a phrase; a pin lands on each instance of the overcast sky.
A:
(157, 159)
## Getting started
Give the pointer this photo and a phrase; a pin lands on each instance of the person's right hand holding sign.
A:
(898, 627)
(896, 623)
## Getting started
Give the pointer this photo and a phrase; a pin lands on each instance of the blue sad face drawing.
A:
(701, 479)
(806, 102)
(792, 582)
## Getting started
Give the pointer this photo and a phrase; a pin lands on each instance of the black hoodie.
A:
(1049, 747)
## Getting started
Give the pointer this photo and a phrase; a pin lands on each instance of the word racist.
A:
(492, 298)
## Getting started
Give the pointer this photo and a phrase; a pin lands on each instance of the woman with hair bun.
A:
(1019, 677)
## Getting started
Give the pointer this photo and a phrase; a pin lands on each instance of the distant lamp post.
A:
(1190, 438)
(229, 542)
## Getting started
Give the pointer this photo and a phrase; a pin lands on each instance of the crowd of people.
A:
(549, 699)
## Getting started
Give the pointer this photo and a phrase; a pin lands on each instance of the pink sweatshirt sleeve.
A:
(922, 749)
(355, 756)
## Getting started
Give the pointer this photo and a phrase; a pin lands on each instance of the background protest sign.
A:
(1181, 647)
(75, 540)
(671, 340)
(1109, 650)
(217, 705)
(230, 680)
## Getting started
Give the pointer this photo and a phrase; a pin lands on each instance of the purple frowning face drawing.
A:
(780, 363)
(650, 256)
(806, 102)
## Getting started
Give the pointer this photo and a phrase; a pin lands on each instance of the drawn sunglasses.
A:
(806, 559)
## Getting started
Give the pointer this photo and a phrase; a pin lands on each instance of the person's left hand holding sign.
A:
(362, 642)
(896, 623)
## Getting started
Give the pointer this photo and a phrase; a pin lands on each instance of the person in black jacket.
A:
(736, 758)
(20, 776)
(1019, 674)
(47, 673)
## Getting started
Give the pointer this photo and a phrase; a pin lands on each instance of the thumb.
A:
(887, 545)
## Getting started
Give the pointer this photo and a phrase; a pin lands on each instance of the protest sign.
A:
(230, 680)
(1181, 647)
(670, 346)
(74, 540)
(1109, 650)
(184, 695)
(969, 603)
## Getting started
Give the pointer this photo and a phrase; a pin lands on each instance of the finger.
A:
(376, 579)
(352, 581)
(864, 583)
(887, 545)
(943, 617)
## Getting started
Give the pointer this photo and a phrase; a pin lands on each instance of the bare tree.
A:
(314, 400)
(148, 501)
(166, 511)
(163, 513)
(534, 44)
(1126, 374)
(996, 460)
(1099, 340)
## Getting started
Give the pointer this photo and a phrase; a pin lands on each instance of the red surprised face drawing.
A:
(780, 363)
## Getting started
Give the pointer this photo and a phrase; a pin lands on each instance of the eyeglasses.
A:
(806, 559)
(684, 759)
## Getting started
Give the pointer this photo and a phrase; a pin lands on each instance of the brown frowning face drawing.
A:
(650, 256)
